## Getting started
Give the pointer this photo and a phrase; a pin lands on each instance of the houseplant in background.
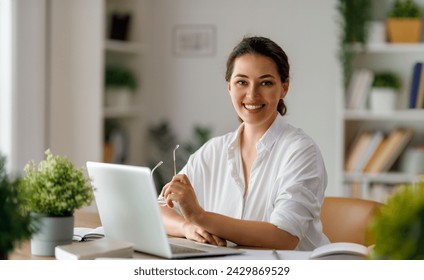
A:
(399, 226)
(15, 224)
(52, 191)
(164, 140)
(404, 22)
(120, 84)
(355, 17)
(384, 92)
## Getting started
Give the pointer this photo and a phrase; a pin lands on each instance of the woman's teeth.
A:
(253, 107)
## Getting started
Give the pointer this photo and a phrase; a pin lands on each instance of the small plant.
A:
(399, 226)
(120, 77)
(405, 9)
(15, 224)
(387, 80)
(56, 187)
(355, 16)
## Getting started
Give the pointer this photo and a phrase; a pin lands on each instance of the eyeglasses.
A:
(161, 199)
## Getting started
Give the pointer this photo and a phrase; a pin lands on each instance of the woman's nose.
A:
(252, 91)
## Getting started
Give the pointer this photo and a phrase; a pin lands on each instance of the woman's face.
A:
(255, 88)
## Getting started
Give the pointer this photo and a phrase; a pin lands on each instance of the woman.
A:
(261, 185)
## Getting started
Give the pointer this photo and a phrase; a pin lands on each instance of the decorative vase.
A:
(118, 97)
(53, 231)
(383, 100)
(404, 30)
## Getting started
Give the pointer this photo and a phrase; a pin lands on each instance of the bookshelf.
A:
(123, 125)
(400, 59)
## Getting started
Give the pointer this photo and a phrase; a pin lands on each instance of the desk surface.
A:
(85, 218)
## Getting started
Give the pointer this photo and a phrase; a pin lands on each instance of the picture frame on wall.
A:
(191, 40)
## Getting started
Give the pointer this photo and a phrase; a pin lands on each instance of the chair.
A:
(347, 219)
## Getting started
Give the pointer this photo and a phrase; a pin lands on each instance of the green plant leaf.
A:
(55, 186)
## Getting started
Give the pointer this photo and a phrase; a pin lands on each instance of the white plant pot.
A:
(53, 231)
(377, 32)
(412, 161)
(118, 97)
(383, 100)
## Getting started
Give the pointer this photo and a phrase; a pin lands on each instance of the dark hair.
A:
(266, 47)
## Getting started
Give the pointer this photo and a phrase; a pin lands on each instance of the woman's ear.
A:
(229, 87)
(285, 89)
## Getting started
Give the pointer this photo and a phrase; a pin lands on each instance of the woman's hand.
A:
(180, 190)
(197, 233)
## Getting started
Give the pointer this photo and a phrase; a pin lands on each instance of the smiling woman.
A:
(261, 185)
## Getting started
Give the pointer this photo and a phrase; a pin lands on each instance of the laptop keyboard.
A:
(176, 249)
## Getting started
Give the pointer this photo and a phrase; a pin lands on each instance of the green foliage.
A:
(118, 76)
(15, 224)
(165, 140)
(387, 79)
(399, 226)
(355, 17)
(55, 187)
(405, 9)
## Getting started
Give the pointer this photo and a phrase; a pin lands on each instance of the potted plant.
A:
(52, 191)
(120, 83)
(384, 92)
(399, 226)
(355, 17)
(15, 224)
(404, 22)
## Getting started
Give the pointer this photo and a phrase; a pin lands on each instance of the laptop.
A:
(126, 199)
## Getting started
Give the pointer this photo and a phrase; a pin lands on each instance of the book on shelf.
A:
(87, 234)
(415, 84)
(357, 147)
(372, 161)
(370, 149)
(359, 88)
(419, 103)
(100, 248)
(390, 150)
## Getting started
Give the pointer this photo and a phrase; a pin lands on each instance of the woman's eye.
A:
(241, 82)
(266, 83)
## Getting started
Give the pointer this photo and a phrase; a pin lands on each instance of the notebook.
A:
(126, 199)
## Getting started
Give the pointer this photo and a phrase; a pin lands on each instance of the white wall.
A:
(192, 91)
(6, 80)
(75, 82)
(22, 91)
(54, 93)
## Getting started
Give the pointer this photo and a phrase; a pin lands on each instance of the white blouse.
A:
(286, 186)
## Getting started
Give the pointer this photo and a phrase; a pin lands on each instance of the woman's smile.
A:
(253, 107)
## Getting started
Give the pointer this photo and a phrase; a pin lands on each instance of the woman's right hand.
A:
(198, 234)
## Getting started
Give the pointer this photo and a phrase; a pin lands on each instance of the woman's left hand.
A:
(180, 190)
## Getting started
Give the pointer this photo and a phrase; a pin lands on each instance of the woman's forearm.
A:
(246, 233)
(173, 222)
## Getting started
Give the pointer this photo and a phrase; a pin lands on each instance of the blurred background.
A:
(64, 64)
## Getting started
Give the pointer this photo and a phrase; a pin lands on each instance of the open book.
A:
(87, 234)
(329, 251)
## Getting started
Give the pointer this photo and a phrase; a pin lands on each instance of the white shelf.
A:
(398, 115)
(124, 47)
(390, 48)
(385, 178)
